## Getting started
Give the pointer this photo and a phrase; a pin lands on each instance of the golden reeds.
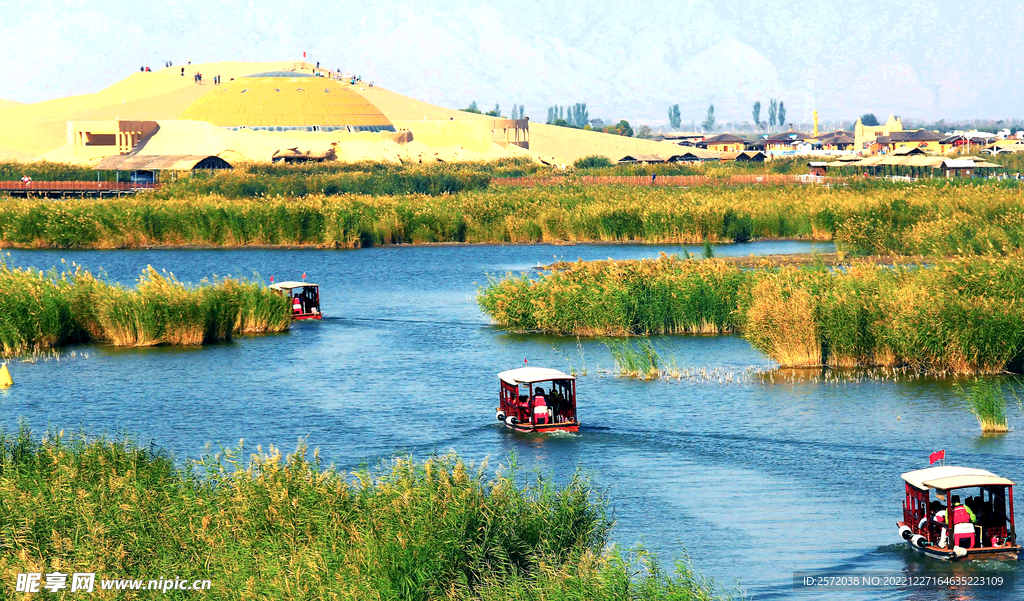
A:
(959, 316)
(45, 310)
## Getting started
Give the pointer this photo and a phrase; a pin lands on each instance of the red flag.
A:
(303, 54)
(303, 275)
(526, 362)
(271, 279)
(937, 456)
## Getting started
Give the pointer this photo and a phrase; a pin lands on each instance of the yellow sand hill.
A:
(35, 130)
(564, 142)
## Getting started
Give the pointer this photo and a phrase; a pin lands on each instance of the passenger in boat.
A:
(961, 515)
(296, 305)
(934, 508)
(540, 407)
(560, 406)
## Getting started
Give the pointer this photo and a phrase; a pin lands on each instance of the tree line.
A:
(518, 111)
(776, 116)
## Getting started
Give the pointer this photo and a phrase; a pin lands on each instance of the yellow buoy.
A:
(5, 376)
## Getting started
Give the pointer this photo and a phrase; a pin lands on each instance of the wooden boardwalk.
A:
(71, 189)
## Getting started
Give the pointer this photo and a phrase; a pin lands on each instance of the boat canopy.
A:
(292, 285)
(946, 477)
(529, 375)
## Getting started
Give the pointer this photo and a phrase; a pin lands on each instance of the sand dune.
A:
(39, 130)
(29, 130)
(564, 142)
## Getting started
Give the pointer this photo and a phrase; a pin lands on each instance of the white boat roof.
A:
(944, 477)
(290, 285)
(529, 375)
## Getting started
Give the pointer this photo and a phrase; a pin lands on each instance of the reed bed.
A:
(43, 310)
(985, 401)
(666, 295)
(636, 360)
(275, 526)
(957, 316)
(931, 219)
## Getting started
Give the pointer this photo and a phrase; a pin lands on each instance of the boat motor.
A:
(500, 416)
(511, 420)
(906, 532)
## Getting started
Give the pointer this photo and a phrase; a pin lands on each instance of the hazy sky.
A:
(917, 58)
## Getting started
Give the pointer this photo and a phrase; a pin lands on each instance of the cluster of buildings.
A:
(887, 150)
(867, 140)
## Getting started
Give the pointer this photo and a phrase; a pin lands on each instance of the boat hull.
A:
(545, 428)
(307, 316)
(1009, 553)
(986, 553)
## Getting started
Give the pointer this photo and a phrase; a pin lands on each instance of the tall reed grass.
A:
(40, 310)
(963, 315)
(985, 401)
(641, 361)
(275, 526)
(927, 219)
(666, 295)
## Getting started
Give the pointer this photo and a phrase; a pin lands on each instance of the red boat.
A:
(982, 514)
(537, 399)
(304, 298)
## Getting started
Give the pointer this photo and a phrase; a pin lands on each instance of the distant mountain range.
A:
(920, 59)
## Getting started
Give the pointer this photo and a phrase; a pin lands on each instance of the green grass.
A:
(42, 310)
(636, 360)
(962, 315)
(985, 401)
(285, 527)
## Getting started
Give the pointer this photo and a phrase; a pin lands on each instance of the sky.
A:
(920, 59)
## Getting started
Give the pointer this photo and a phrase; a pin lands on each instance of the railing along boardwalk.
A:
(661, 180)
(72, 188)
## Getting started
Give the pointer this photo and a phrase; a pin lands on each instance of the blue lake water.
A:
(752, 478)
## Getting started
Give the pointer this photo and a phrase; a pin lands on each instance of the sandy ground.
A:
(567, 143)
(35, 130)
(29, 130)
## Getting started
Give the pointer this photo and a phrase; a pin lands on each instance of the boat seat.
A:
(964, 533)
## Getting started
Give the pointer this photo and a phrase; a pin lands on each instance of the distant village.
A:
(885, 149)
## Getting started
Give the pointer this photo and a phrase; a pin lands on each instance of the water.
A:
(752, 479)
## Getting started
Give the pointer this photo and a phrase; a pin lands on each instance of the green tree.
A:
(622, 128)
(578, 114)
(757, 114)
(472, 108)
(518, 111)
(782, 114)
(556, 113)
(674, 118)
(494, 113)
(709, 122)
(593, 161)
(645, 132)
(869, 119)
(773, 113)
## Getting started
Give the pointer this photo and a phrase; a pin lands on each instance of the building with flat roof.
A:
(99, 139)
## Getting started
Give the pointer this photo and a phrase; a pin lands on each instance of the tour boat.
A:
(303, 297)
(982, 514)
(537, 399)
